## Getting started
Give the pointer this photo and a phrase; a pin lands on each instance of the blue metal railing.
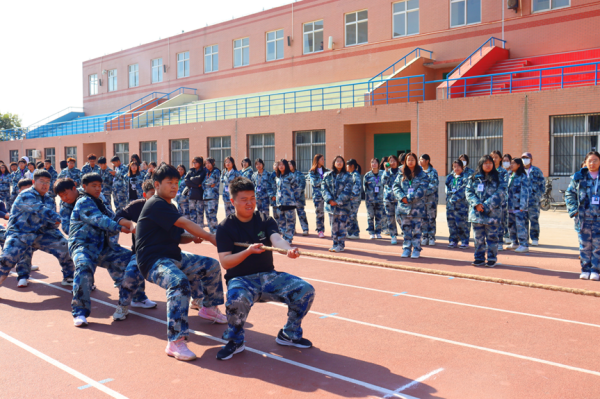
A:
(12, 134)
(417, 52)
(137, 103)
(491, 41)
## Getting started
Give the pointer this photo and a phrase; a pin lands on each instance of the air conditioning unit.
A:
(36, 154)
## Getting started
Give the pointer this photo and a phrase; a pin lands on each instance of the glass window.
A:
(313, 37)
(148, 151)
(30, 154)
(406, 18)
(211, 58)
(308, 144)
(275, 45)
(50, 153)
(262, 146)
(241, 52)
(14, 155)
(134, 76)
(465, 12)
(544, 5)
(112, 80)
(183, 65)
(157, 70)
(93, 84)
(71, 152)
(357, 28)
(475, 139)
(572, 137)
(122, 151)
(180, 152)
(219, 148)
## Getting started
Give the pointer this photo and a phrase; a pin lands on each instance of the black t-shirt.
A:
(156, 234)
(132, 212)
(256, 231)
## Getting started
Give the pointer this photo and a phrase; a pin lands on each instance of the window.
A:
(357, 28)
(465, 12)
(50, 153)
(157, 70)
(262, 146)
(134, 76)
(572, 137)
(29, 154)
(148, 151)
(71, 152)
(275, 45)
(93, 84)
(406, 18)
(180, 152)
(308, 144)
(313, 37)
(475, 139)
(241, 52)
(122, 151)
(211, 58)
(14, 155)
(183, 65)
(544, 5)
(112, 80)
(219, 148)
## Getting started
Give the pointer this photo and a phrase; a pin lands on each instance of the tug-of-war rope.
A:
(496, 280)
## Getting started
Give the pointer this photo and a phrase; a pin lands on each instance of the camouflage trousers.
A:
(115, 260)
(517, 225)
(458, 224)
(133, 286)
(121, 200)
(18, 251)
(429, 221)
(229, 208)
(183, 205)
(197, 211)
(243, 292)
(412, 228)
(486, 235)
(302, 218)
(577, 227)
(533, 213)
(375, 219)
(589, 247)
(262, 205)
(194, 275)
(24, 265)
(5, 197)
(212, 207)
(320, 214)
(287, 224)
(390, 211)
(338, 229)
(504, 229)
(353, 229)
(11, 200)
(108, 202)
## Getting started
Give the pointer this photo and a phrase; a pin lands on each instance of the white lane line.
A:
(455, 303)
(416, 382)
(367, 385)
(449, 341)
(63, 367)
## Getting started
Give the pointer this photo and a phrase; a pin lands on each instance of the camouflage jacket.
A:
(273, 177)
(468, 172)
(135, 182)
(456, 195)
(66, 210)
(356, 186)
(337, 187)
(107, 181)
(32, 214)
(518, 192)
(226, 178)
(432, 192)
(262, 185)
(5, 181)
(538, 185)
(73, 174)
(579, 195)
(414, 191)
(491, 197)
(316, 181)
(120, 180)
(301, 194)
(247, 173)
(88, 169)
(212, 178)
(287, 190)
(388, 178)
(14, 179)
(373, 186)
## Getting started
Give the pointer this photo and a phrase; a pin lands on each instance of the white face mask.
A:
(506, 165)
(464, 163)
(526, 161)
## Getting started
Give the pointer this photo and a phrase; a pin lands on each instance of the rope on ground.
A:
(496, 280)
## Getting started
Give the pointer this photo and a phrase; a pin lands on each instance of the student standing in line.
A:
(182, 199)
(390, 202)
(71, 172)
(107, 181)
(228, 175)
(276, 212)
(485, 193)
(16, 176)
(136, 158)
(134, 182)
(518, 192)
(538, 186)
(465, 160)
(287, 200)
(431, 201)
(316, 173)
(30, 170)
(353, 168)
(120, 186)
(193, 180)
(54, 174)
(506, 161)
(211, 193)
(372, 185)
(262, 181)
(5, 179)
(301, 196)
(457, 207)
(497, 157)
(90, 166)
(337, 192)
(383, 166)
(247, 171)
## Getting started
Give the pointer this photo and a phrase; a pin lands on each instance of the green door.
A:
(391, 144)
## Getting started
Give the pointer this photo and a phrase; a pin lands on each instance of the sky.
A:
(44, 43)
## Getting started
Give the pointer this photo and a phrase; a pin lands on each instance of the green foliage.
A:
(10, 122)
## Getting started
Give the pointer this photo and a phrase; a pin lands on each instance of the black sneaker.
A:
(283, 339)
(229, 350)
(478, 263)
(491, 263)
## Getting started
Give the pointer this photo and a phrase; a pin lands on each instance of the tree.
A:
(12, 123)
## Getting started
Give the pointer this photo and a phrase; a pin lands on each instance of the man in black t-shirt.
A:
(251, 276)
(160, 260)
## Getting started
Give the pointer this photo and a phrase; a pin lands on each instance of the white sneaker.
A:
(80, 321)
(585, 275)
(67, 281)
(305, 233)
(595, 276)
(424, 241)
(22, 283)
(394, 241)
(338, 249)
(500, 247)
(371, 236)
(507, 240)
(512, 246)
(522, 249)
(34, 268)
(354, 237)
(535, 243)
(379, 236)
(431, 242)
(179, 350)
(332, 249)
(146, 304)
(121, 313)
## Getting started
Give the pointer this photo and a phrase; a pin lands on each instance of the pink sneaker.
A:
(321, 234)
(213, 314)
(179, 350)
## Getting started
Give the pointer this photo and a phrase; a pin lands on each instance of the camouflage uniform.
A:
(301, 196)
(243, 292)
(518, 192)
(468, 172)
(211, 197)
(316, 180)
(353, 229)
(120, 188)
(182, 200)
(457, 208)
(276, 212)
(226, 178)
(287, 196)
(373, 187)
(504, 174)
(88, 169)
(389, 199)
(247, 173)
(414, 211)
(338, 187)
(24, 265)
(32, 226)
(431, 202)
(5, 181)
(579, 197)
(135, 182)
(107, 185)
(73, 174)
(486, 224)
(538, 186)
(263, 190)
(14, 181)
(53, 178)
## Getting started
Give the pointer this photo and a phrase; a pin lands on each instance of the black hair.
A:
(6, 168)
(396, 158)
(496, 152)
(180, 166)
(407, 174)
(13, 163)
(240, 183)
(248, 161)
(352, 162)
(24, 183)
(63, 184)
(63, 164)
(39, 165)
(32, 164)
(589, 154)
(211, 161)
(200, 160)
(427, 158)
(286, 170)
(115, 159)
(148, 185)
(165, 171)
(90, 178)
(230, 158)
(459, 163)
(466, 157)
(402, 159)
(102, 160)
(334, 169)
(22, 160)
(41, 173)
(492, 175)
(138, 169)
(507, 156)
(91, 157)
(521, 171)
(47, 160)
(378, 163)
(135, 157)
(260, 161)
(292, 163)
(382, 163)
(154, 163)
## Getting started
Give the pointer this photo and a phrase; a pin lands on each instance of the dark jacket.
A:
(193, 180)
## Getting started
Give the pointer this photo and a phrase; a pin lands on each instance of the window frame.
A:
(120, 154)
(153, 151)
(476, 136)
(15, 158)
(222, 149)
(93, 82)
(313, 32)
(466, 12)
(275, 40)
(52, 156)
(312, 145)
(261, 147)
(72, 155)
(211, 55)
(575, 166)
(159, 68)
(549, 9)
(184, 162)
(405, 12)
(112, 80)
(356, 22)
(185, 62)
(136, 75)
(241, 48)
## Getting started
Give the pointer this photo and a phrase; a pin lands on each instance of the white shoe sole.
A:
(289, 343)
(238, 350)
(81, 325)
(183, 359)
(140, 305)
(22, 284)
(65, 283)
(212, 319)
(123, 317)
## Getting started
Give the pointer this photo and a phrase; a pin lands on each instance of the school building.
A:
(361, 78)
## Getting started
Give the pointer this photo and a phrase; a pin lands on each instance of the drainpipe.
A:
(503, 19)
(418, 143)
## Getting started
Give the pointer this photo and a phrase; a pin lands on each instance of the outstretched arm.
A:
(195, 230)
